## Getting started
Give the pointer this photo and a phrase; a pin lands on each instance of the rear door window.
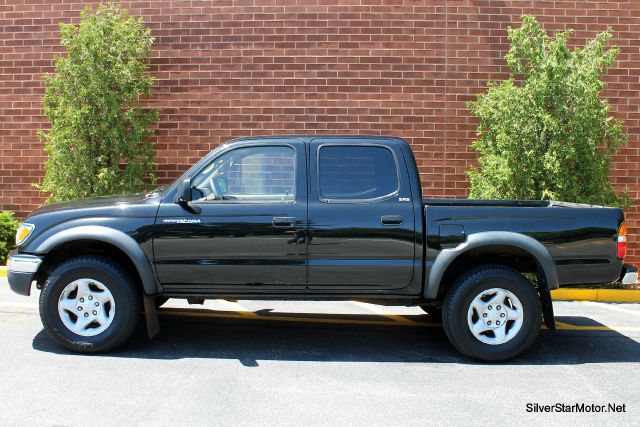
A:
(356, 173)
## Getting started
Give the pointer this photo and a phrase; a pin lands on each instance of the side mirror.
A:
(183, 196)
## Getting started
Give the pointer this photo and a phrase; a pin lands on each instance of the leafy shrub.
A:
(8, 228)
(545, 133)
(98, 143)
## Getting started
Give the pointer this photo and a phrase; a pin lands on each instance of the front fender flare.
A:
(111, 236)
(492, 238)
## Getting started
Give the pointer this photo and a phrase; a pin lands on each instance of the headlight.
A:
(23, 233)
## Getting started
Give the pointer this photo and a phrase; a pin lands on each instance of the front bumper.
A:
(21, 271)
(629, 275)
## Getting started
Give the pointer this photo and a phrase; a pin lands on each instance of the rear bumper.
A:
(21, 271)
(629, 275)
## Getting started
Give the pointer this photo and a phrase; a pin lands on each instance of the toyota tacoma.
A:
(312, 218)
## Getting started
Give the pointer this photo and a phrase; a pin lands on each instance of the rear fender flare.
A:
(491, 238)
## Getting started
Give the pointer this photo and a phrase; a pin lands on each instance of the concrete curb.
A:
(601, 295)
(565, 294)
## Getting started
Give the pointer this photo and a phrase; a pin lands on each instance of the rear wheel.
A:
(492, 314)
(89, 305)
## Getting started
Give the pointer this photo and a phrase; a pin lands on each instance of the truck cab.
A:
(269, 215)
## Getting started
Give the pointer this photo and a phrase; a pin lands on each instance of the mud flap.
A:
(151, 315)
(547, 310)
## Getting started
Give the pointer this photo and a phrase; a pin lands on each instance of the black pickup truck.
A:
(312, 218)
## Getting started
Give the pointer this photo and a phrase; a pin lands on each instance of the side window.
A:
(264, 173)
(356, 172)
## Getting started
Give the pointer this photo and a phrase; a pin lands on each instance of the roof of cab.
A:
(301, 139)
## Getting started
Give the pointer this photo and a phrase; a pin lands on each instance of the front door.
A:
(244, 231)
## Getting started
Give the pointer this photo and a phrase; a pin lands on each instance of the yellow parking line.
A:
(238, 308)
(567, 326)
(379, 310)
(570, 327)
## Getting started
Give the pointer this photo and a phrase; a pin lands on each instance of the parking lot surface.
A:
(316, 363)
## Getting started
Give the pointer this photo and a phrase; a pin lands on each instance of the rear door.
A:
(361, 217)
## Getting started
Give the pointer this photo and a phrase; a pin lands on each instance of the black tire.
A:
(434, 313)
(126, 296)
(457, 307)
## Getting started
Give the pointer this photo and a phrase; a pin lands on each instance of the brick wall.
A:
(237, 68)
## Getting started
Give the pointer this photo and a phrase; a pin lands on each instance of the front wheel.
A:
(492, 314)
(89, 305)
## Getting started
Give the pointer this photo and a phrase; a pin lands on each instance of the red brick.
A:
(391, 67)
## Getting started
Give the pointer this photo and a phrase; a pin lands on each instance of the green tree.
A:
(545, 133)
(98, 142)
(8, 228)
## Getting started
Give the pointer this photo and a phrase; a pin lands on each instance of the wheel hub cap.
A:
(495, 316)
(86, 307)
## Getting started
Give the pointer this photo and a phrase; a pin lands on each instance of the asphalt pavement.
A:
(317, 363)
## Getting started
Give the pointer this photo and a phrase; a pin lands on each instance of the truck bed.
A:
(581, 239)
(508, 203)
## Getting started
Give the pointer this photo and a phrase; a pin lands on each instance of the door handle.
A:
(284, 222)
(391, 220)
